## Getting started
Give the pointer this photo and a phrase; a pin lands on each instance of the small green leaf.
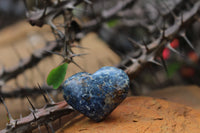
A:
(112, 23)
(172, 69)
(57, 75)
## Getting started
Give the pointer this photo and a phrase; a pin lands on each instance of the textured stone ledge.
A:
(140, 115)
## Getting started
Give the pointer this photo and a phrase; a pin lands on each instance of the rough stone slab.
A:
(140, 115)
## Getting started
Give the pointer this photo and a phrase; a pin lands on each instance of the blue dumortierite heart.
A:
(96, 95)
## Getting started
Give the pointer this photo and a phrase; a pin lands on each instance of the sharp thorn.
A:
(8, 113)
(44, 12)
(59, 33)
(47, 127)
(51, 127)
(16, 122)
(31, 104)
(182, 18)
(66, 50)
(158, 10)
(155, 62)
(39, 129)
(78, 65)
(164, 64)
(147, 49)
(132, 59)
(44, 96)
(52, 102)
(77, 46)
(163, 30)
(153, 22)
(32, 111)
(174, 50)
(135, 43)
(75, 55)
(163, 33)
(187, 40)
(173, 14)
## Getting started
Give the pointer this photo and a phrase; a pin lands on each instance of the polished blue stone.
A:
(96, 95)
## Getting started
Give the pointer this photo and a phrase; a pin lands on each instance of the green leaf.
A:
(172, 69)
(57, 75)
(112, 23)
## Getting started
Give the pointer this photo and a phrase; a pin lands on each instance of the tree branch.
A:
(156, 46)
(29, 62)
(41, 116)
(26, 91)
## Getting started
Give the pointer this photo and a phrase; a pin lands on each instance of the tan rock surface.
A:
(141, 115)
(187, 95)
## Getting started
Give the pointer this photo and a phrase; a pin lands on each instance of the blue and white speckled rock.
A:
(96, 95)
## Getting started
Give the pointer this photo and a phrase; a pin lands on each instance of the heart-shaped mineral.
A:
(96, 95)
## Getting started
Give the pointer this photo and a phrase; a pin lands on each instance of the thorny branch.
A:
(39, 18)
(148, 54)
(152, 50)
(48, 113)
(37, 56)
(26, 91)
(108, 14)
(33, 60)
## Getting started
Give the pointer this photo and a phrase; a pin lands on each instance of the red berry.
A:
(166, 53)
(174, 43)
(193, 57)
(187, 72)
